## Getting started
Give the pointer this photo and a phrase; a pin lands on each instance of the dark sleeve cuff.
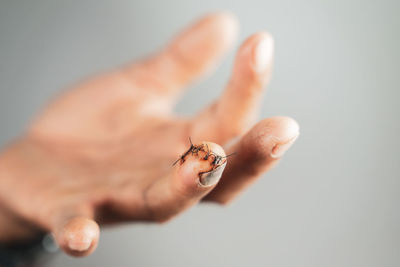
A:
(27, 253)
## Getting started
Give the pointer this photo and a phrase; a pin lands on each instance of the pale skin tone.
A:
(102, 152)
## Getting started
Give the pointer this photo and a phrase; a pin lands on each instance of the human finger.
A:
(255, 153)
(234, 112)
(75, 233)
(195, 174)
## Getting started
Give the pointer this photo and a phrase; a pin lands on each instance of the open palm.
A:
(103, 151)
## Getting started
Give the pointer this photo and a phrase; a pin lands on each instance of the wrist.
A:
(14, 229)
(21, 244)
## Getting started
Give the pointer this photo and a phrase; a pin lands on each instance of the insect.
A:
(195, 149)
(217, 158)
(192, 149)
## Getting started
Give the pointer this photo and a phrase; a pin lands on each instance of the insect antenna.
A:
(208, 152)
(190, 140)
(227, 156)
(183, 156)
(176, 161)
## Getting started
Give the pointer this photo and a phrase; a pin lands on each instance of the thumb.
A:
(77, 235)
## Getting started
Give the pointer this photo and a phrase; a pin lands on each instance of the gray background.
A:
(333, 201)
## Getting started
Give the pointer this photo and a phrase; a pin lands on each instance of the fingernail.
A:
(212, 177)
(80, 245)
(262, 55)
(280, 149)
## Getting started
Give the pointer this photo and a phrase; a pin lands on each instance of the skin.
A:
(102, 152)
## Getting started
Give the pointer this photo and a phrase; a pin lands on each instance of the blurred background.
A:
(334, 199)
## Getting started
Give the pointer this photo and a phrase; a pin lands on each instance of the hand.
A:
(103, 151)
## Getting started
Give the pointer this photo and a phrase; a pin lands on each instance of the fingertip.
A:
(210, 177)
(215, 148)
(79, 236)
(274, 136)
(262, 53)
(227, 24)
(282, 127)
(247, 47)
(195, 51)
(254, 58)
(289, 132)
(204, 42)
(200, 170)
